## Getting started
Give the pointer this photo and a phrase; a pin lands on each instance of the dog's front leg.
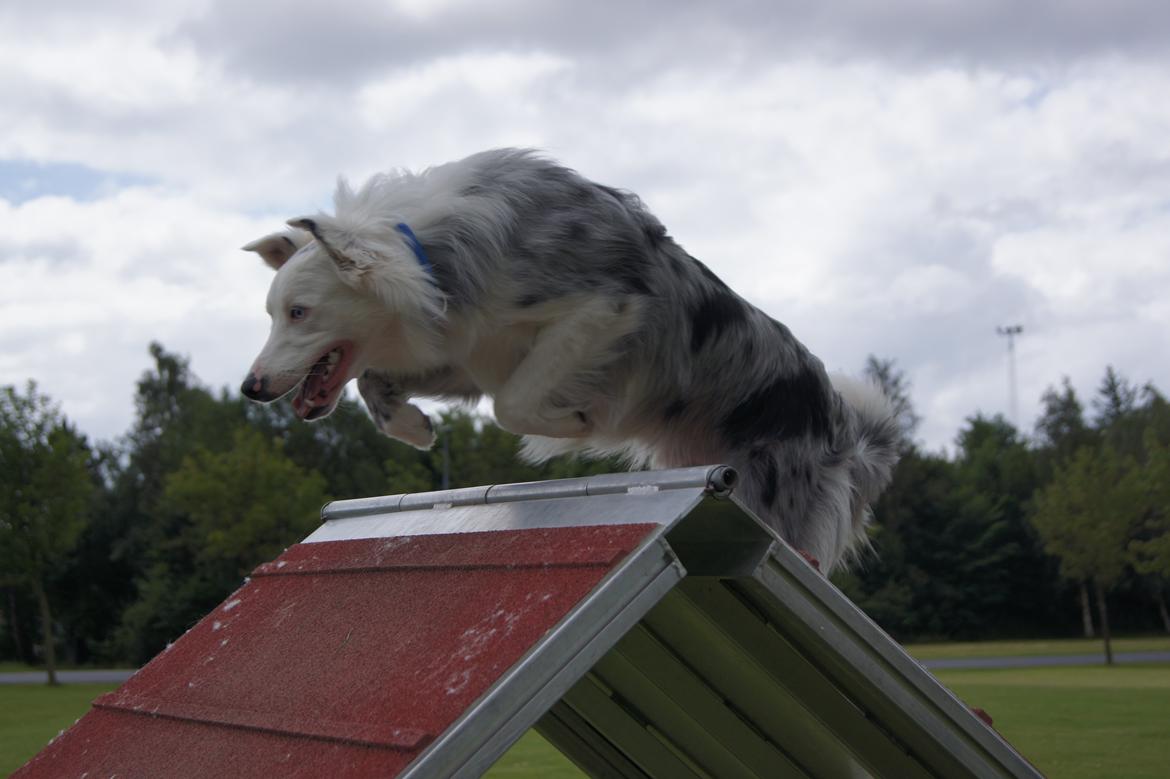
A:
(386, 398)
(540, 397)
(387, 394)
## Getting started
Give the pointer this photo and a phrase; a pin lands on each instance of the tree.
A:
(243, 506)
(956, 557)
(1118, 415)
(1136, 421)
(1150, 551)
(480, 452)
(996, 475)
(345, 447)
(1085, 516)
(1116, 398)
(1155, 413)
(45, 492)
(96, 581)
(893, 382)
(175, 415)
(1060, 431)
(899, 585)
(228, 511)
(1061, 428)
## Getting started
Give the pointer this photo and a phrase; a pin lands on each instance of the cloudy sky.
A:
(896, 178)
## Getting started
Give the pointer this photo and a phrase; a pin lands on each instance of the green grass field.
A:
(8, 666)
(533, 758)
(1072, 722)
(31, 714)
(1062, 646)
(1079, 721)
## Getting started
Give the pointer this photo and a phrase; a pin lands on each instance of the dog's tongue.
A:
(312, 386)
(301, 402)
(319, 389)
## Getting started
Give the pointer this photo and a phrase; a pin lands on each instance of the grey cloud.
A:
(1003, 30)
(59, 251)
(304, 41)
(1116, 168)
(941, 352)
(300, 40)
(71, 13)
(999, 214)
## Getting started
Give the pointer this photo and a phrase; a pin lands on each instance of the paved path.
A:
(68, 677)
(1023, 661)
(1040, 661)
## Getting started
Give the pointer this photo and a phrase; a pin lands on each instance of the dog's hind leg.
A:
(547, 393)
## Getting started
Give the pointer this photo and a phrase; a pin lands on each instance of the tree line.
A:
(1062, 532)
(109, 550)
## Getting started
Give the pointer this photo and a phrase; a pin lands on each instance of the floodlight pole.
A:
(445, 434)
(1010, 332)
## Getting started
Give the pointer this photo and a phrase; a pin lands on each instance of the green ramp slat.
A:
(775, 685)
(891, 699)
(581, 743)
(630, 734)
(688, 712)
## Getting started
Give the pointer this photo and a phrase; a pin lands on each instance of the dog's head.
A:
(348, 295)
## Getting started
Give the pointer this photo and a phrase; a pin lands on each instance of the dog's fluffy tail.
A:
(871, 466)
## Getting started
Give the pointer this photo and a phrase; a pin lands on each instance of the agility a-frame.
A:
(645, 623)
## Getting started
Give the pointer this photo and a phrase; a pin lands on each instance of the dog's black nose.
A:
(254, 388)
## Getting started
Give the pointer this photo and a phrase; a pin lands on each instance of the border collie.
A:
(567, 303)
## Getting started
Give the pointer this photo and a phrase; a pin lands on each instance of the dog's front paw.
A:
(403, 421)
(411, 425)
(383, 396)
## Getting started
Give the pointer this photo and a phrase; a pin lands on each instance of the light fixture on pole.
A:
(1010, 332)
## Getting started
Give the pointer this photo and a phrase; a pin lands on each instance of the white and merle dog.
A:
(567, 303)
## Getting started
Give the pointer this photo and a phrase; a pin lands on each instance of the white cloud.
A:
(394, 100)
(1102, 268)
(109, 73)
(142, 265)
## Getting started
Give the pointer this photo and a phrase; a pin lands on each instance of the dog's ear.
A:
(275, 249)
(338, 243)
(377, 266)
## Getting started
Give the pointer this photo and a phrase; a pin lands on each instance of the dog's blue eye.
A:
(296, 312)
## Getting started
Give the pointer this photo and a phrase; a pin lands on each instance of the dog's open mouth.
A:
(319, 390)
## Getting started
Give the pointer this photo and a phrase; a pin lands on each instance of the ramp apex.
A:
(716, 480)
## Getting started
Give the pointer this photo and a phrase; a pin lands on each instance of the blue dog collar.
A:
(419, 252)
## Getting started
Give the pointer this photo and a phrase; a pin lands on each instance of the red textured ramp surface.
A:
(344, 658)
